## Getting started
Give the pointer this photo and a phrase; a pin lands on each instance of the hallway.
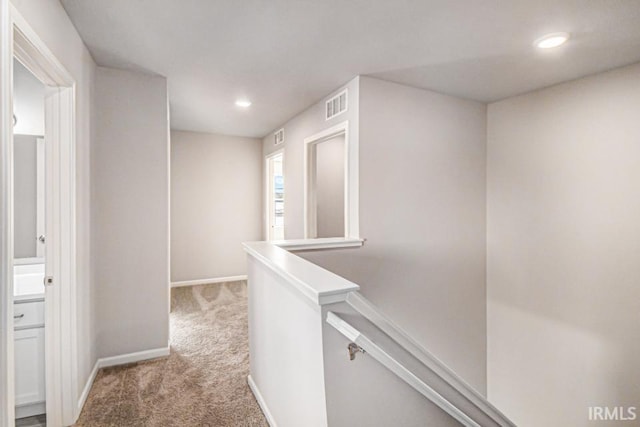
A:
(204, 380)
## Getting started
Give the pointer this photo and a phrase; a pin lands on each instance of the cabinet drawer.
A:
(28, 314)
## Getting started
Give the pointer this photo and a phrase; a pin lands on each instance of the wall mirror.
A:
(326, 184)
(28, 166)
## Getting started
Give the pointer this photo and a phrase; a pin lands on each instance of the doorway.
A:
(54, 387)
(327, 184)
(327, 188)
(29, 195)
(275, 196)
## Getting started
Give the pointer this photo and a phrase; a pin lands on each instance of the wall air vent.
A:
(336, 105)
(278, 137)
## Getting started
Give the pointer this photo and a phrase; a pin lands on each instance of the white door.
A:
(275, 196)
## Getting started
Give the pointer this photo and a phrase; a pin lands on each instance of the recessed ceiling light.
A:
(244, 103)
(552, 40)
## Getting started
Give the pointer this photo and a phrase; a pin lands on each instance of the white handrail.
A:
(372, 314)
(388, 361)
(397, 368)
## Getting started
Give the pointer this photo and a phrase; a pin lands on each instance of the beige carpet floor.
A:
(204, 380)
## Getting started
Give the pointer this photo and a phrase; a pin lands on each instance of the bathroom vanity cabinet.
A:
(29, 356)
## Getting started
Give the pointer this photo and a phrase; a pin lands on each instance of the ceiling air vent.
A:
(337, 105)
(278, 137)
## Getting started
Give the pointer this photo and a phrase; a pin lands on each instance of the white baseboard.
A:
(87, 388)
(261, 402)
(139, 356)
(207, 281)
(122, 359)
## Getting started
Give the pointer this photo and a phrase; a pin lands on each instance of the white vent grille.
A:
(337, 105)
(278, 137)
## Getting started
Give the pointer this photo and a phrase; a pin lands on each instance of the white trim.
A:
(352, 170)
(122, 359)
(267, 197)
(275, 153)
(7, 373)
(87, 387)
(34, 54)
(322, 243)
(208, 281)
(263, 405)
(350, 213)
(168, 237)
(61, 350)
(138, 356)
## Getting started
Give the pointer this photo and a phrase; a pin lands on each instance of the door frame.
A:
(19, 40)
(267, 190)
(310, 219)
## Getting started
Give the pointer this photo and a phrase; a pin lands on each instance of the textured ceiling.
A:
(286, 55)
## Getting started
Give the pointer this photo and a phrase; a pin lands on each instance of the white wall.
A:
(422, 211)
(304, 125)
(25, 196)
(216, 190)
(329, 188)
(286, 357)
(363, 392)
(51, 23)
(131, 211)
(563, 245)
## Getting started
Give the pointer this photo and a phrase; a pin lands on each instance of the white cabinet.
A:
(28, 314)
(29, 347)
(29, 358)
